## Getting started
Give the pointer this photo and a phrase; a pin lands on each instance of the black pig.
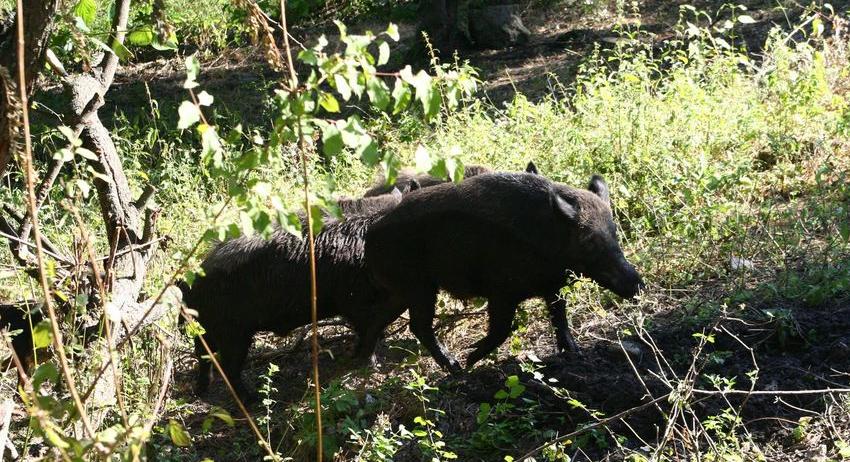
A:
(253, 284)
(505, 237)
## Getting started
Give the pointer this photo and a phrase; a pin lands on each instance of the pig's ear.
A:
(564, 207)
(597, 186)
(531, 168)
(414, 185)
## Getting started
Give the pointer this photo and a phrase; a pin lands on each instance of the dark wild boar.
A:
(252, 284)
(504, 237)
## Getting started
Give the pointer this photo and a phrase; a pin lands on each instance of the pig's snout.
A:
(624, 281)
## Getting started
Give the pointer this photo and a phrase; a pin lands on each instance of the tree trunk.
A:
(38, 25)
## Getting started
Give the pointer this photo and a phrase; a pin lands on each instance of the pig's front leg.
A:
(557, 307)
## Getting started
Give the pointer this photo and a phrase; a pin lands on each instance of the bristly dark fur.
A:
(375, 204)
(505, 237)
(253, 284)
(406, 178)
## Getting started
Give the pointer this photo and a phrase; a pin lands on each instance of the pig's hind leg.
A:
(500, 325)
(370, 325)
(232, 354)
(422, 311)
(202, 379)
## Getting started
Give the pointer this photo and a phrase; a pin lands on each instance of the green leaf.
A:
(42, 335)
(453, 171)
(85, 153)
(141, 37)
(356, 81)
(289, 222)
(179, 436)
(101, 45)
(81, 25)
(331, 140)
(843, 449)
(483, 413)
(392, 31)
(378, 92)
(193, 327)
(193, 67)
(352, 132)
(316, 221)
(308, 57)
(189, 115)
(438, 169)
(368, 151)
(64, 154)
(262, 223)
(328, 102)
(425, 93)
(170, 43)
(55, 439)
(46, 372)
(402, 96)
(343, 31)
(69, 135)
(86, 10)
(423, 159)
(844, 230)
(261, 189)
(211, 152)
(383, 53)
(246, 224)
(431, 104)
(817, 27)
(120, 50)
(84, 187)
(205, 99)
(342, 86)
(501, 395)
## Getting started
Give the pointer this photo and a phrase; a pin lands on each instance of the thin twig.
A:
(311, 244)
(594, 425)
(110, 341)
(163, 387)
(57, 257)
(819, 391)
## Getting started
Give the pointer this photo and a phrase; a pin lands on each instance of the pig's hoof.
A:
(454, 367)
(568, 346)
(570, 350)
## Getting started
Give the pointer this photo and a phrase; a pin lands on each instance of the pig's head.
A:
(594, 250)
